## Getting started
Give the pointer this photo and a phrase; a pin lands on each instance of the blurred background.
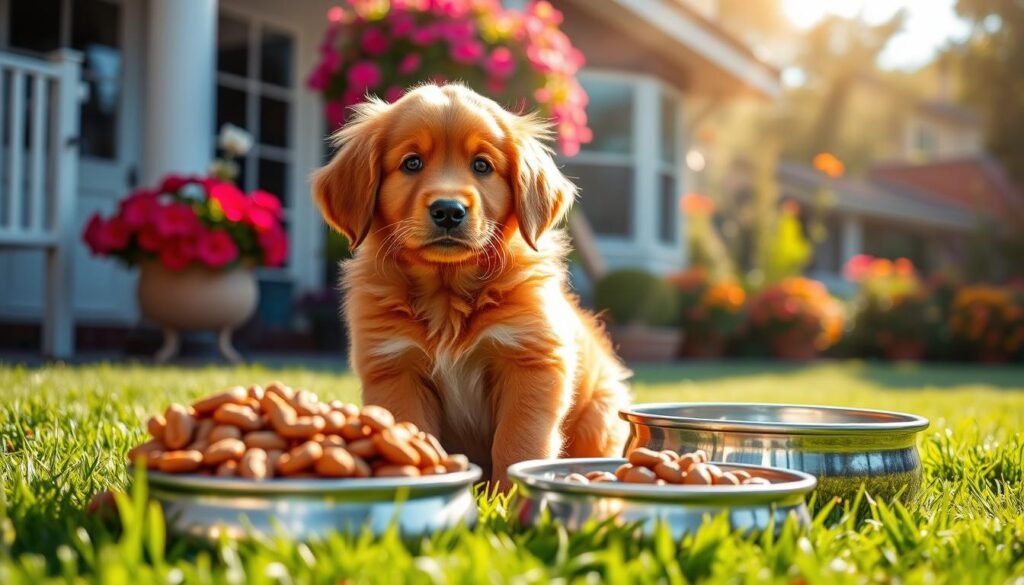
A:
(784, 178)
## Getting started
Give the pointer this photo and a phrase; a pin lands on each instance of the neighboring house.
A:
(159, 77)
(924, 197)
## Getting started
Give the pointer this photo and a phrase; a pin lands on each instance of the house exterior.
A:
(159, 77)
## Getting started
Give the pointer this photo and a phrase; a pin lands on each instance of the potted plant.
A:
(642, 311)
(521, 59)
(196, 241)
(794, 319)
(711, 313)
(895, 314)
(987, 322)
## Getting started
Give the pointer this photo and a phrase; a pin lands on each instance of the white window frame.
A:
(255, 88)
(647, 164)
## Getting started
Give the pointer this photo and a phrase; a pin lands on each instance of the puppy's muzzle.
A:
(447, 214)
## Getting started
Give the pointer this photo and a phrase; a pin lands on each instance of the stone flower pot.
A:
(637, 342)
(196, 299)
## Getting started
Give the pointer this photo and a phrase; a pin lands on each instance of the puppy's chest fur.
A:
(460, 337)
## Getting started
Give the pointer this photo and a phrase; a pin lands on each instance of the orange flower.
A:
(829, 164)
(904, 267)
(696, 203)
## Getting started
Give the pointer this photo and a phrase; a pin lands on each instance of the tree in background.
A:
(994, 75)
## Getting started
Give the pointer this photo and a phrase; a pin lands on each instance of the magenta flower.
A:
(178, 254)
(335, 111)
(393, 93)
(423, 36)
(467, 52)
(409, 63)
(177, 219)
(375, 42)
(230, 199)
(216, 249)
(364, 75)
(500, 63)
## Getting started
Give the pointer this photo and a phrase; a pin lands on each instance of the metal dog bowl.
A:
(683, 508)
(206, 506)
(843, 447)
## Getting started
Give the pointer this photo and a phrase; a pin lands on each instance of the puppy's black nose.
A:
(447, 213)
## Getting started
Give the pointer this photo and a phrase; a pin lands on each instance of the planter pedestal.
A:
(642, 343)
(196, 299)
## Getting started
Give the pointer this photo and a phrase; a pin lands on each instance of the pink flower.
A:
(261, 219)
(364, 75)
(150, 239)
(401, 23)
(275, 247)
(423, 36)
(375, 42)
(500, 63)
(177, 254)
(467, 52)
(230, 199)
(139, 209)
(393, 93)
(458, 31)
(351, 97)
(91, 233)
(335, 14)
(216, 249)
(172, 183)
(176, 219)
(266, 201)
(857, 267)
(335, 111)
(409, 63)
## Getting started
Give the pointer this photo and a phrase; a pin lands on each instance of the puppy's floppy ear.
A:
(346, 188)
(541, 192)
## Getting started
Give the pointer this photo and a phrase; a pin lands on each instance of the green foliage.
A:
(633, 295)
(65, 431)
(994, 75)
(788, 250)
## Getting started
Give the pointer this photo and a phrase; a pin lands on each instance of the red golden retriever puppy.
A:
(456, 298)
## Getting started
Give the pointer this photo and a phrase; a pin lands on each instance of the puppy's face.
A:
(441, 174)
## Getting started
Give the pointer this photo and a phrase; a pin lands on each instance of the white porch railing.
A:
(39, 125)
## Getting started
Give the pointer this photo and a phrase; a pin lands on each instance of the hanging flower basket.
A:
(520, 59)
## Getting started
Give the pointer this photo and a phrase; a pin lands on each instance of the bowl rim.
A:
(210, 484)
(526, 473)
(636, 414)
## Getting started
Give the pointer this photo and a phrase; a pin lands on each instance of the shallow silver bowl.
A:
(206, 506)
(682, 508)
(843, 447)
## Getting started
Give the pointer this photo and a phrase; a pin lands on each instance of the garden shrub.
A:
(637, 296)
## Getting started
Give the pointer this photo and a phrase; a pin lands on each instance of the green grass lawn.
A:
(64, 432)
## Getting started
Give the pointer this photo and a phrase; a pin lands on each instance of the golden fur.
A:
(473, 335)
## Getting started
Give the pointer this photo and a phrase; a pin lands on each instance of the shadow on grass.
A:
(908, 375)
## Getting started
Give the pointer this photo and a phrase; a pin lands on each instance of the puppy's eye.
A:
(481, 166)
(412, 164)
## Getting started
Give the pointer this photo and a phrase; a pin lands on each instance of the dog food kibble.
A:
(273, 431)
(647, 466)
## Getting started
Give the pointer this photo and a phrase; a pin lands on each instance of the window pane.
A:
(668, 217)
(35, 25)
(276, 58)
(231, 108)
(606, 195)
(273, 177)
(610, 115)
(95, 22)
(99, 119)
(232, 45)
(669, 109)
(273, 122)
(96, 32)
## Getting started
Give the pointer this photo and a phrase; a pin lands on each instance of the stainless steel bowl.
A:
(843, 447)
(206, 506)
(683, 508)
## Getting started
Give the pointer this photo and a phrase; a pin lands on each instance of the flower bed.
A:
(521, 59)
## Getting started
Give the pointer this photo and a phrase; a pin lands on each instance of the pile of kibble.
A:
(668, 467)
(261, 433)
